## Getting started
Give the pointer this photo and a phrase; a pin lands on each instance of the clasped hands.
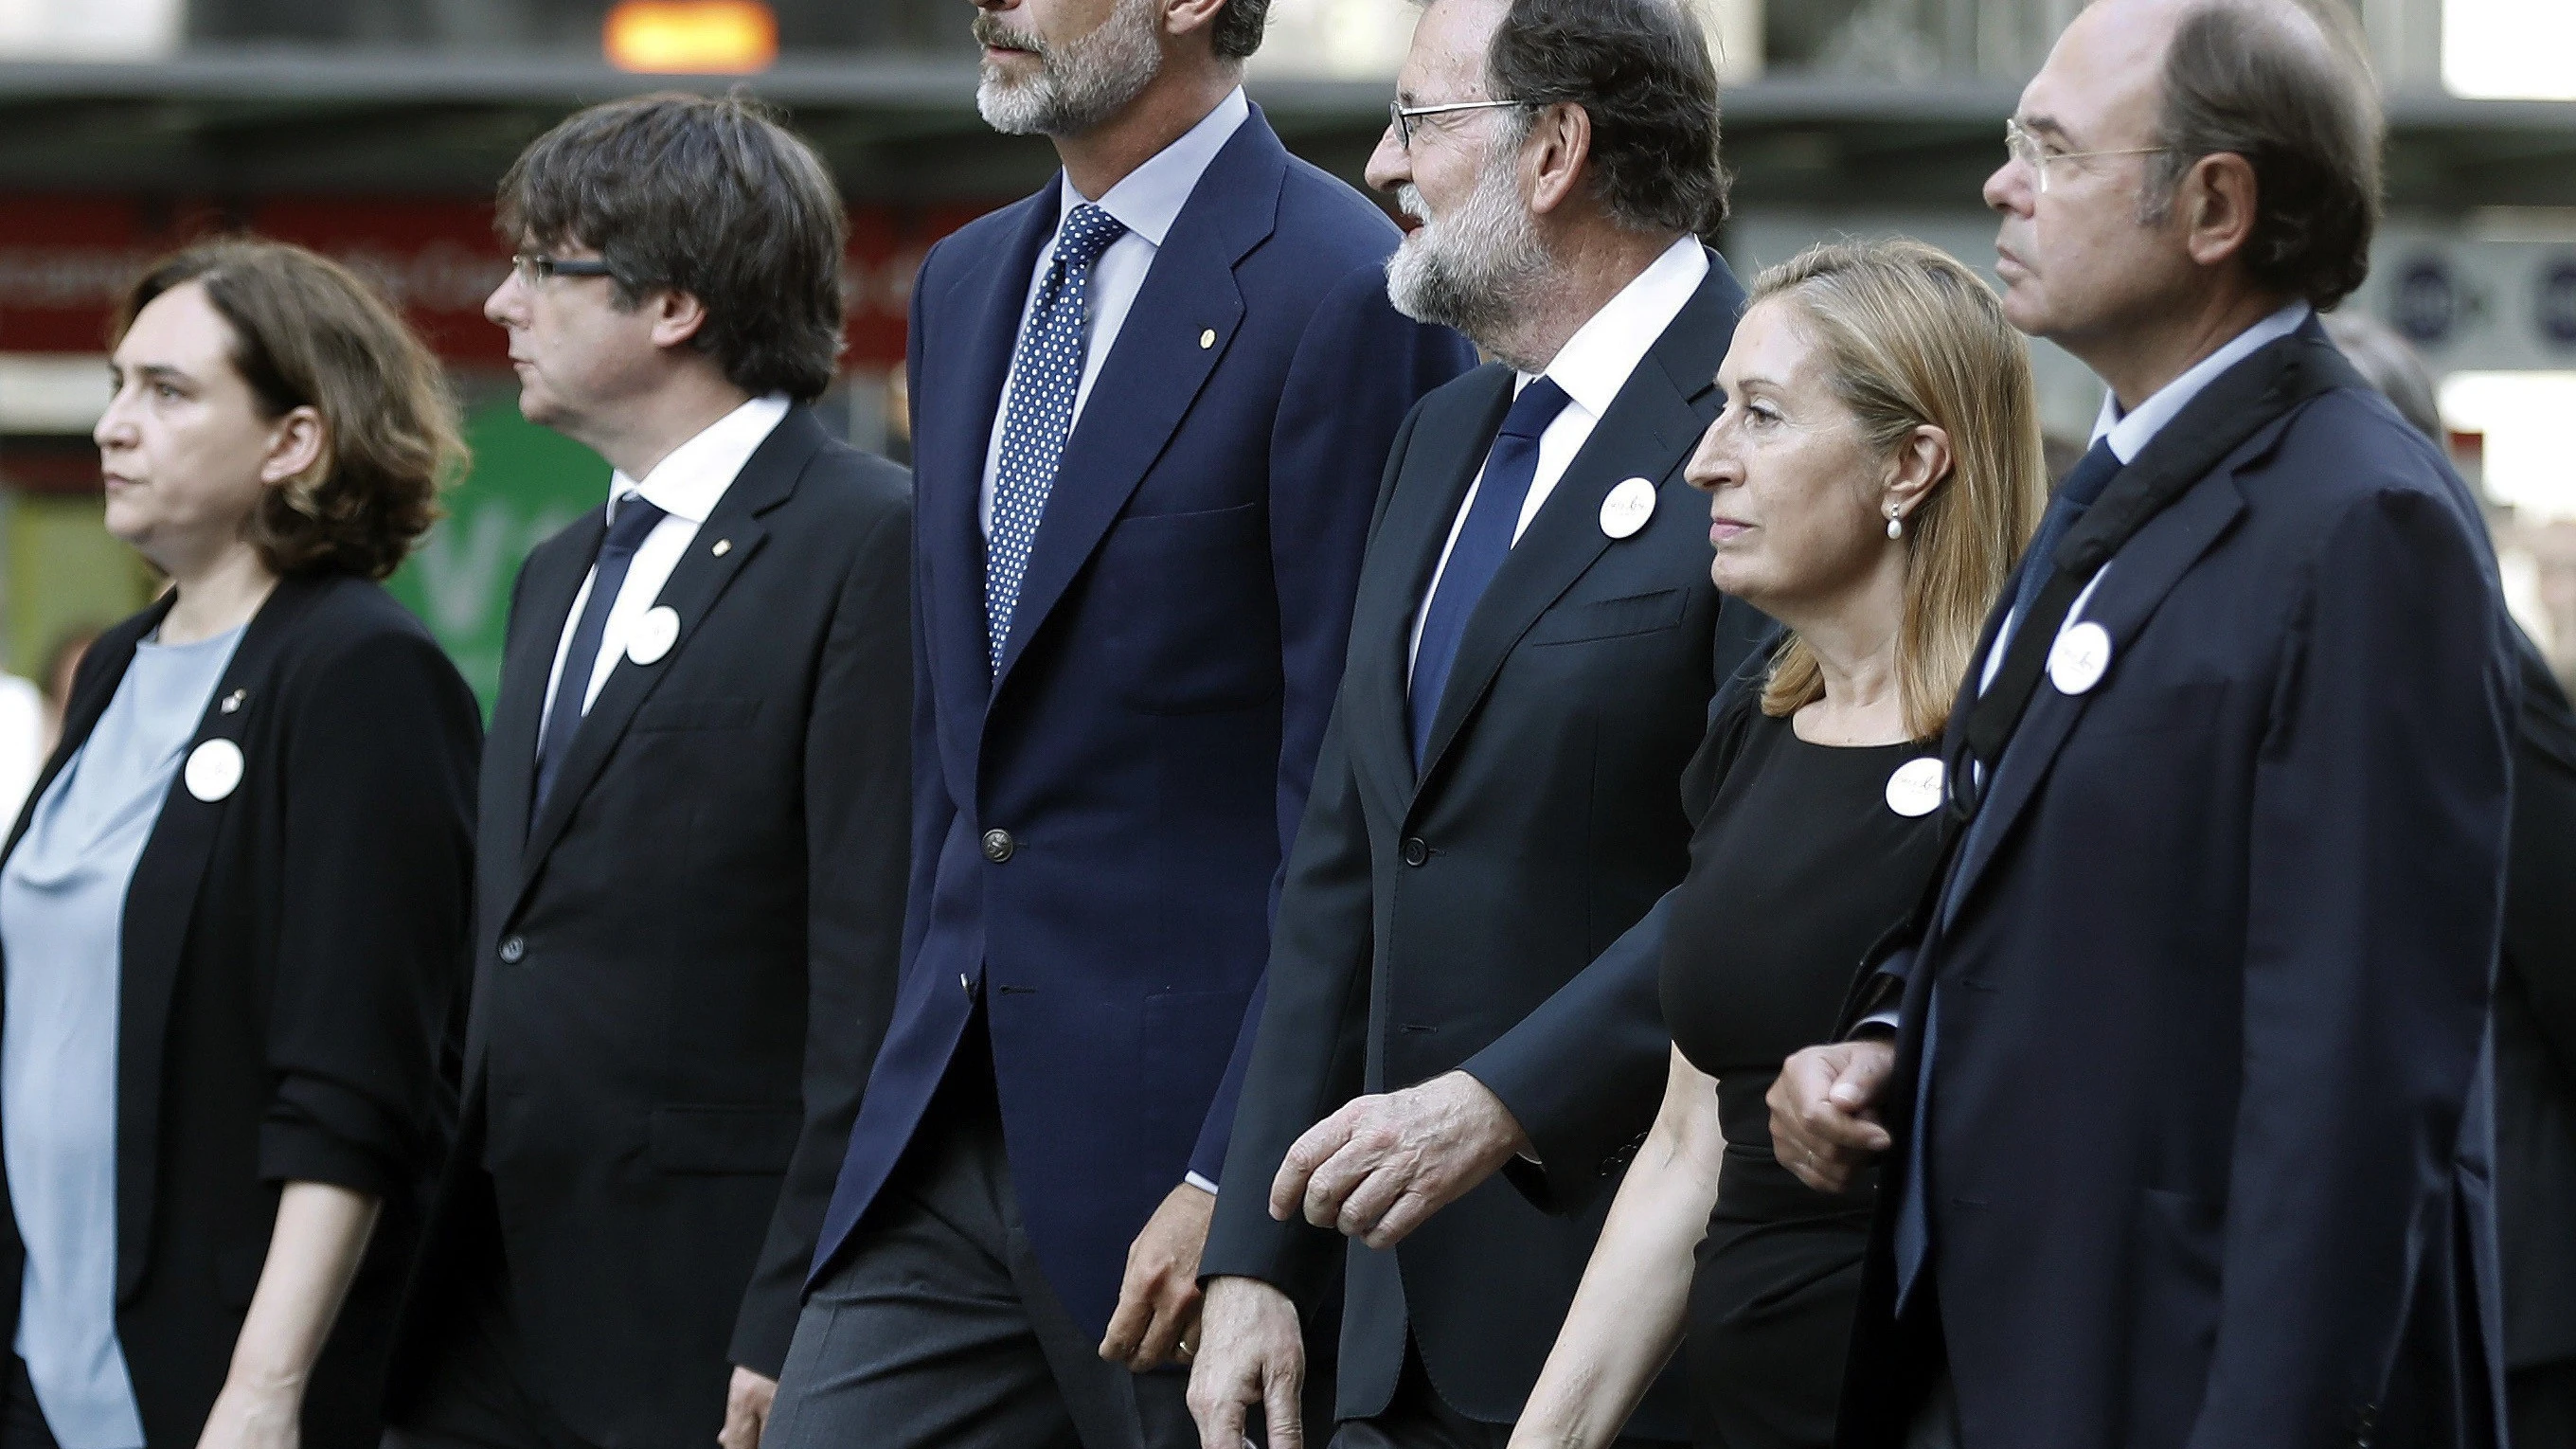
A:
(1824, 1111)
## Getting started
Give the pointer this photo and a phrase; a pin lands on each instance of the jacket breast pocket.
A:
(718, 1140)
(1193, 618)
(1611, 618)
(697, 712)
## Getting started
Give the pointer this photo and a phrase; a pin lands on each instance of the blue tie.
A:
(2081, 489)
(1044, 383)
(1483, 542)
(635, 518)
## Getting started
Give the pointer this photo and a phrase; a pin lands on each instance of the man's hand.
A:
(1824, 1111)
(1159, 1301)
(747, 1402)
(1381, 1166)
(1250, 1352)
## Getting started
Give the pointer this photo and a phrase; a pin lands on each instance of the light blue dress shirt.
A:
(62, 916)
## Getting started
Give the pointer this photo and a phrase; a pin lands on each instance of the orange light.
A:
(692, 37)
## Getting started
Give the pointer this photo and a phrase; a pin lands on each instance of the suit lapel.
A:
(691, 592)
(1451, 448)
(1164, 354)
(160, 906)
(2132, 585)
(1649, 432)
(554, 575)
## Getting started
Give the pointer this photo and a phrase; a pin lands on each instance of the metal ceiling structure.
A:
(895, 129)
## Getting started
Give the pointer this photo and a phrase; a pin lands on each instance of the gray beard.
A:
(1477, 269)
(1080, 84)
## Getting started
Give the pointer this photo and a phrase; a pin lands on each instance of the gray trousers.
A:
(937, 1331)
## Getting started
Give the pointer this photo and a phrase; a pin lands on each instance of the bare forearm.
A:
(1628, 1315)
(313, 1255)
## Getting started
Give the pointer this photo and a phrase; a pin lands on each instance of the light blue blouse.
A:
(62, 916)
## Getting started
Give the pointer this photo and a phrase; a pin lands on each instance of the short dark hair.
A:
(2242, 78)
(1641, 70)
(1239, 27)
(707, 195)
(308, 333)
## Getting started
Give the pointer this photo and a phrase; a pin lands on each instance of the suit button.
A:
(1415, 852)
(999, 846)
(513, 949)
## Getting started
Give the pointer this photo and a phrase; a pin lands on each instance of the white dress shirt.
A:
(686, 486)
(1592, 367)
(1147, 201)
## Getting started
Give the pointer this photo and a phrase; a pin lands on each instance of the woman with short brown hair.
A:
(233, 916)
(1874, 476)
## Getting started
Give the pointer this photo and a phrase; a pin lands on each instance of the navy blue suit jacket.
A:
(2206, 1135)
(1150, 736)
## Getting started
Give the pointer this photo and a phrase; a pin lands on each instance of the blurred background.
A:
(375, 130)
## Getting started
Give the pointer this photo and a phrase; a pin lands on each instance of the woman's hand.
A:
(255, 1416)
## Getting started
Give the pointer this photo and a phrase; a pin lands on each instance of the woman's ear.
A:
(1922, 461)
(294, 446)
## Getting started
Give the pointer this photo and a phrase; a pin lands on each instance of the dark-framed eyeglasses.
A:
(1401, 116)
(535, 267)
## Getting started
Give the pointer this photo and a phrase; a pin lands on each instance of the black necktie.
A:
(2083, 485)
(1484, 541)
(635, 518)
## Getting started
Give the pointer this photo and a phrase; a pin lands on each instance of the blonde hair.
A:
(1910, 336)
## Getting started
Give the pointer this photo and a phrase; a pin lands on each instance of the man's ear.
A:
(1192, 17)
(677, 317)
(2217, 201)
(1559, 147)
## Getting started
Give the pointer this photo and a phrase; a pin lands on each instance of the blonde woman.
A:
(1875, 473)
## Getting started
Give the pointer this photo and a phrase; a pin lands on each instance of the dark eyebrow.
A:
(155, 372)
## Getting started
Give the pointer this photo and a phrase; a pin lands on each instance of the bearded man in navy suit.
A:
(1150, 408)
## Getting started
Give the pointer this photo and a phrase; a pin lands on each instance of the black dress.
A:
(1799, 866)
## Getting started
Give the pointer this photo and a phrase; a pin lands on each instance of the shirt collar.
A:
(693, 478)
(1149, 199)
(1595, 362)
(2131, 432)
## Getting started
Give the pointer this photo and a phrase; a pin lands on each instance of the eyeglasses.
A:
(535, 267)
(1400, 115)
(2031, 152)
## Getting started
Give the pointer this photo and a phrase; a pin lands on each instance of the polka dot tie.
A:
(1044, 382)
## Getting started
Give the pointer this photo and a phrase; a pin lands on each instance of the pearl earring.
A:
(1895, 524)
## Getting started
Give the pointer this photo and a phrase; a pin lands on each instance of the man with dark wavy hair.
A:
(690, 873)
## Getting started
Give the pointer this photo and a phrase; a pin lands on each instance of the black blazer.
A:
(2535, 1034)
(684, 964)
(2206, 1145)
(1446, 922)
(291, 953)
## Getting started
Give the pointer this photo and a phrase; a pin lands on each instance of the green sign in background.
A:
(526, 483)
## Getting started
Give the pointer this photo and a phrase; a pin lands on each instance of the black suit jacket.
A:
(1447, 921)
(290, 955)
(2205, 1147)
(2535, 1035)
(683, 964)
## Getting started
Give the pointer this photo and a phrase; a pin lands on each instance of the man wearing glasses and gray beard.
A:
(1150, 409)
(1463, 977)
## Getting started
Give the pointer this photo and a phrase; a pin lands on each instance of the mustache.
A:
(992, 32)
(1408, 199)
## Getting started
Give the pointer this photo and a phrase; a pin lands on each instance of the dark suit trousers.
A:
(1418, 1418)
(938, 1331)
(476, 1397)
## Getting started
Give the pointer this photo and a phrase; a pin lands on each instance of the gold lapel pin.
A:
(723, 546)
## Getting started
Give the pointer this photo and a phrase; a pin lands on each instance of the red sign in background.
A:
(64, 260)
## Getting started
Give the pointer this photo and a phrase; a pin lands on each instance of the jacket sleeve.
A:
(857, 789)
(2376, 841)
(1584, 1074)
(1358, 371)
(380, 752)
(1308, 1055)
(2539, 911)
